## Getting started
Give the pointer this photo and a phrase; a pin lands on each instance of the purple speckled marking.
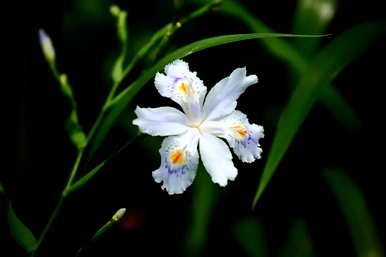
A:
(176, 79)
(181, 170)
(248, 140)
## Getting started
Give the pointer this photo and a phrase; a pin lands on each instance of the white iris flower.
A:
(202, 123)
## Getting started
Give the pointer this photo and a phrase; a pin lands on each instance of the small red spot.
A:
(132, 219)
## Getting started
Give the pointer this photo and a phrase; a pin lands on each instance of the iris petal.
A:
(162, 121)
(179, 161)
(221, 99)
(217, 159)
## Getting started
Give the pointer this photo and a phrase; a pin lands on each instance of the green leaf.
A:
(205, 195)
(250, 235)
(298, 243)
(117, 72)
(356, 213)
(312, 16)
(75, 131)
(325, 67)
(296, 59)
(118, 104)
(22, 235)
(82, 181)
(77, 136)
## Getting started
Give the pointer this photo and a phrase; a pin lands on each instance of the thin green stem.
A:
(60, 202)
(87, 177)
(51, 220)
(73, 172)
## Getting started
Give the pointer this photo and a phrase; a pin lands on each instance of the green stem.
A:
(50, 221)
(73, 173)
(87, 177)
(60, 202)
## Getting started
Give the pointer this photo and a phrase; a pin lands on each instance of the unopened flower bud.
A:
(115, 10)
(47, 47)
(119, 215)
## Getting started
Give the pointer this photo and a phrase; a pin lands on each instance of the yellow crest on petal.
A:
(177, 157)
(184, 88)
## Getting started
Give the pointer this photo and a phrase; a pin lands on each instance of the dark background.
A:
(85, 43)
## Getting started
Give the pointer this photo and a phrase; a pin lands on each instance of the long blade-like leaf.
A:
(329, 96)
(119, 103)
(356, 213)
(325, 67)
(299, 241)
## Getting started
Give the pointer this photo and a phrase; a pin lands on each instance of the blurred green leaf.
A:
(356, 213)
(296, 59)
(251, 237)
(77, 136)
(312, 16)
(343, 50)
(118, 104)
(22, 235)
(298, 243)
(117, 72)
(75, 131)
(2, 189)
(205, 195)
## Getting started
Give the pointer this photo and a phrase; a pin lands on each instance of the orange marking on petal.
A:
(177, 157)
(240, 130)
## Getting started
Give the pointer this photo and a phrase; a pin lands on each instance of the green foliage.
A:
(251, 237)
(356, 213)
(119, 103)
(323, 69)
(20, 232)
(312, 16)
(77, 136)
(297, 57)
(122, 33)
